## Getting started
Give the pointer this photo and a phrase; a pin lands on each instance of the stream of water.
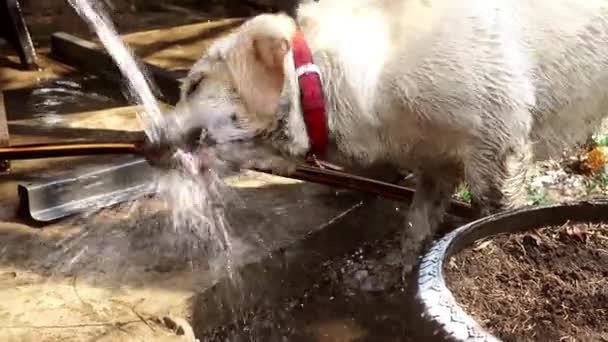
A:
(195, 199)
(139, 87)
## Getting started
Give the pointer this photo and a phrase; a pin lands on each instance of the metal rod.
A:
(305, 173)
(59, 150)
(357, 183)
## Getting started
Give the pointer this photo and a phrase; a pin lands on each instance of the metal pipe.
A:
(60, 150)
(362, 184)
(305, 173)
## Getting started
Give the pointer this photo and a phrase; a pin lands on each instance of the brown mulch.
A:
(550, 284)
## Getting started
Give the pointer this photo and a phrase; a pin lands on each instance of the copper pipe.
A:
(60, 150)
(305, 173)
(357, 183)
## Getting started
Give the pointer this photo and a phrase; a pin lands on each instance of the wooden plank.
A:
(87, 56)
(12, 78)
(166, 54)
(177, 48)
(4, 137)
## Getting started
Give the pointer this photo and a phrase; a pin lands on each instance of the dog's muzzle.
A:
(162, 153)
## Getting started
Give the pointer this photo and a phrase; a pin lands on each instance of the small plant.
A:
(602, 179)
(463, 194)
(537, 196)
(597, 182)
(601, 139)
(591, 184)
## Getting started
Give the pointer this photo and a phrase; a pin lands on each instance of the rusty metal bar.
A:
(61, 150)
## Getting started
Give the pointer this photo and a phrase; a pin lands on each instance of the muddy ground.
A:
(357, 297)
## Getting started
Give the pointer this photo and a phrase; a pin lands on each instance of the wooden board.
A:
(177, 48)
(87, 56)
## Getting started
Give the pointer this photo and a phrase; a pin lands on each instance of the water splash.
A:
(197, 204)
(139, 87)
(195, 200)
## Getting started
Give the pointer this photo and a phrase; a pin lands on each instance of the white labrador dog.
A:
(459, 90)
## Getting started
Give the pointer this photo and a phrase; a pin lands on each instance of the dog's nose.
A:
(161, 153)
(198, 137)
(158, 154)
(193, 136)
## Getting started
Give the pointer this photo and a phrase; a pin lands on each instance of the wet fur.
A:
(457, 90)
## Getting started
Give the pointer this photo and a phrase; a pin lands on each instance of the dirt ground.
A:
(129, 281)
(546, 285)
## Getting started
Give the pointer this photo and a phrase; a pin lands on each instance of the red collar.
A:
(311, 95)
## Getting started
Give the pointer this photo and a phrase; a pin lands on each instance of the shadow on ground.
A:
(353, 293)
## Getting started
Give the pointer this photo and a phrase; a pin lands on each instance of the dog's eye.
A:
(194, 85)
(233, 117)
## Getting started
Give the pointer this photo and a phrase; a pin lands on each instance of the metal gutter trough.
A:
(86, 189)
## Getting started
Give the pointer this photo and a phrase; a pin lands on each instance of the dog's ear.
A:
(256, 61)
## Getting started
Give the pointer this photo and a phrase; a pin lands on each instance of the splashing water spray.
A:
(195, 198)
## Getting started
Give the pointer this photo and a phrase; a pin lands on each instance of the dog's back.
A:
(452, 59)
(569, 40)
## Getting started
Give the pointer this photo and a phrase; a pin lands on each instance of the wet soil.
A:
(359, 297)
(546, 285)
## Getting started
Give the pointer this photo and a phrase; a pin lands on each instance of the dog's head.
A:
(243, 94)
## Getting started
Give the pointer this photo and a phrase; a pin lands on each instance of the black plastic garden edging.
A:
(438, 306)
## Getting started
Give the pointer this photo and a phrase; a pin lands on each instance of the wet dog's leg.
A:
(435, 187)
(496, 178)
